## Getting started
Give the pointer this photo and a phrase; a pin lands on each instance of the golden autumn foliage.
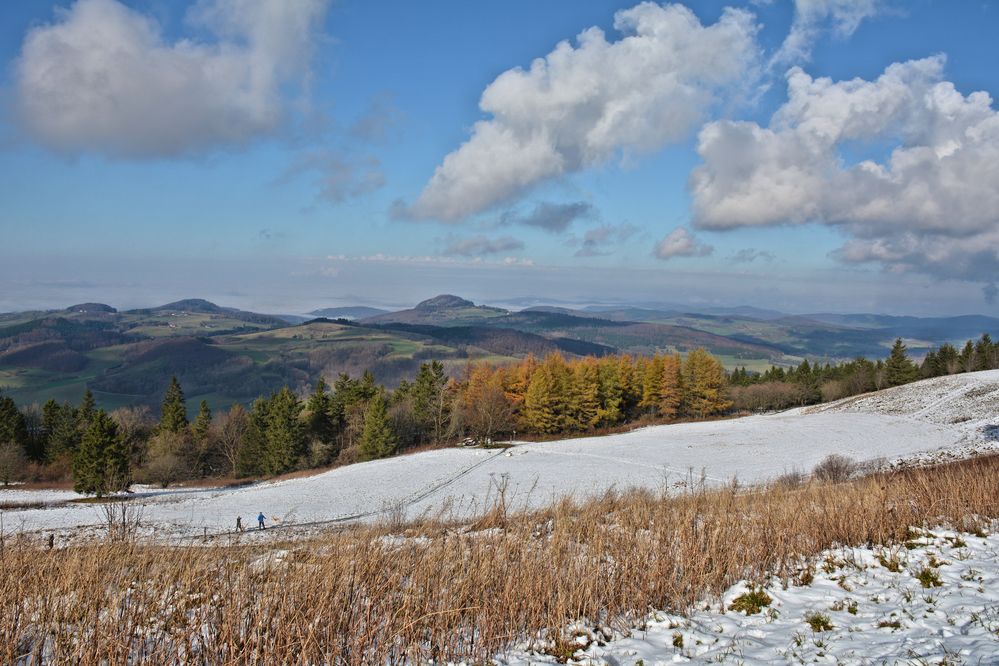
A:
(556, 395)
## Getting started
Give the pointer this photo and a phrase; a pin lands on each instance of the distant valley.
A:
(225, 355)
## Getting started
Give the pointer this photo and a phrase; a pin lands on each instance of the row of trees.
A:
(355, 419)
(781, 388)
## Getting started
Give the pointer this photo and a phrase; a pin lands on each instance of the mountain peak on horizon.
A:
(191, 305)
(444, 302)
(91, 308)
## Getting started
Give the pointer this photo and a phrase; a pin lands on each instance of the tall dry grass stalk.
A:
(450, 592)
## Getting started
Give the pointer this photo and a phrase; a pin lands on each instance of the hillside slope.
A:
(933, 419)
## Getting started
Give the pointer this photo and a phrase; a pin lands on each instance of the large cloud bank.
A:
(927, 199)
(103, 77)
(582, 105)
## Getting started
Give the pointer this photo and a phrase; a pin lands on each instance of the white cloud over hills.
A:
(930, 205)
(681, 243)
(103, 77)
(582, 105)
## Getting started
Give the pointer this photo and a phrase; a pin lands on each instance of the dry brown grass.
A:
(456, 592)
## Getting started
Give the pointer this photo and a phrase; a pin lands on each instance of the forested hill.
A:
(227, 355)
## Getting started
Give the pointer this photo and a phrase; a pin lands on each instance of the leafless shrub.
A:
(12, 462)
(789, 480)
(835, 468)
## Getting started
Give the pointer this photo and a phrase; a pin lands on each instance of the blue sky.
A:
(809, 155)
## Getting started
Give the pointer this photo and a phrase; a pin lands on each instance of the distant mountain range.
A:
(227, 355)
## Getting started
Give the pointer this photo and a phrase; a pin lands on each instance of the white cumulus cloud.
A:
(103, 78)
(930, 203)
(681, 243)
(584, 104)
(814, 17)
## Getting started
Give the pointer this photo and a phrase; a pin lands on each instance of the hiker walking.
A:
(260, 520)
(239, 523)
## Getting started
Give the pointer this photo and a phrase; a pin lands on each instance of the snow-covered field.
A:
(928, 421)
(933, 601)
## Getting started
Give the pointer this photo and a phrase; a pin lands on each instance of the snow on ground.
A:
(934, 600)
(931, 420)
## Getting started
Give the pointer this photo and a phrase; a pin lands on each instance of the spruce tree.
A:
(984, 353)
(100, 466)
(202, 423)
(968, 357)
(13, 427)
(377, 439)
(62, 430)
(173, 413)
(284, 433)
(319, 410)
(898, 368)
(88, 406)
(251, 454)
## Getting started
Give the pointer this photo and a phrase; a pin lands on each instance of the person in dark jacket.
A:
(260, 520)
(239, 523)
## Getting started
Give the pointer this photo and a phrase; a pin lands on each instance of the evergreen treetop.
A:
(173, 413)
(898, 368)
(377, 439)
(100, 466)
(202, 423)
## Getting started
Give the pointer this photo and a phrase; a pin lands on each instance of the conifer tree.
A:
(898, 368)
(88, 406)
(671, 389)
(377, 439)
(631, 386)
(62, 430)
(284, 432)
(13, 427)
(584, 395)
(704, 385)
(652, 384)
(610, 393)
(967, 360)
(251, 455)
(520, 380)
(100, 466)
(319, 414)
(984, 353)
(173, 413)
(545, 404)
(202, 423)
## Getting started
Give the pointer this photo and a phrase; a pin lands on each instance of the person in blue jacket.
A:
(260, 520)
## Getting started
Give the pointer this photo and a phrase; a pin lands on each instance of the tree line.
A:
(808, 383)
(352, 420)
(355, 419)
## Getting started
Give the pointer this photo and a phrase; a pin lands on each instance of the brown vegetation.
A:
(462, 592)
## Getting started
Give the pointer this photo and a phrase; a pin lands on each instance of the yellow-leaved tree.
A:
(704, 385)
(671, 388)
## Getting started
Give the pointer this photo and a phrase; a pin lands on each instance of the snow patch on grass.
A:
(855, 610)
